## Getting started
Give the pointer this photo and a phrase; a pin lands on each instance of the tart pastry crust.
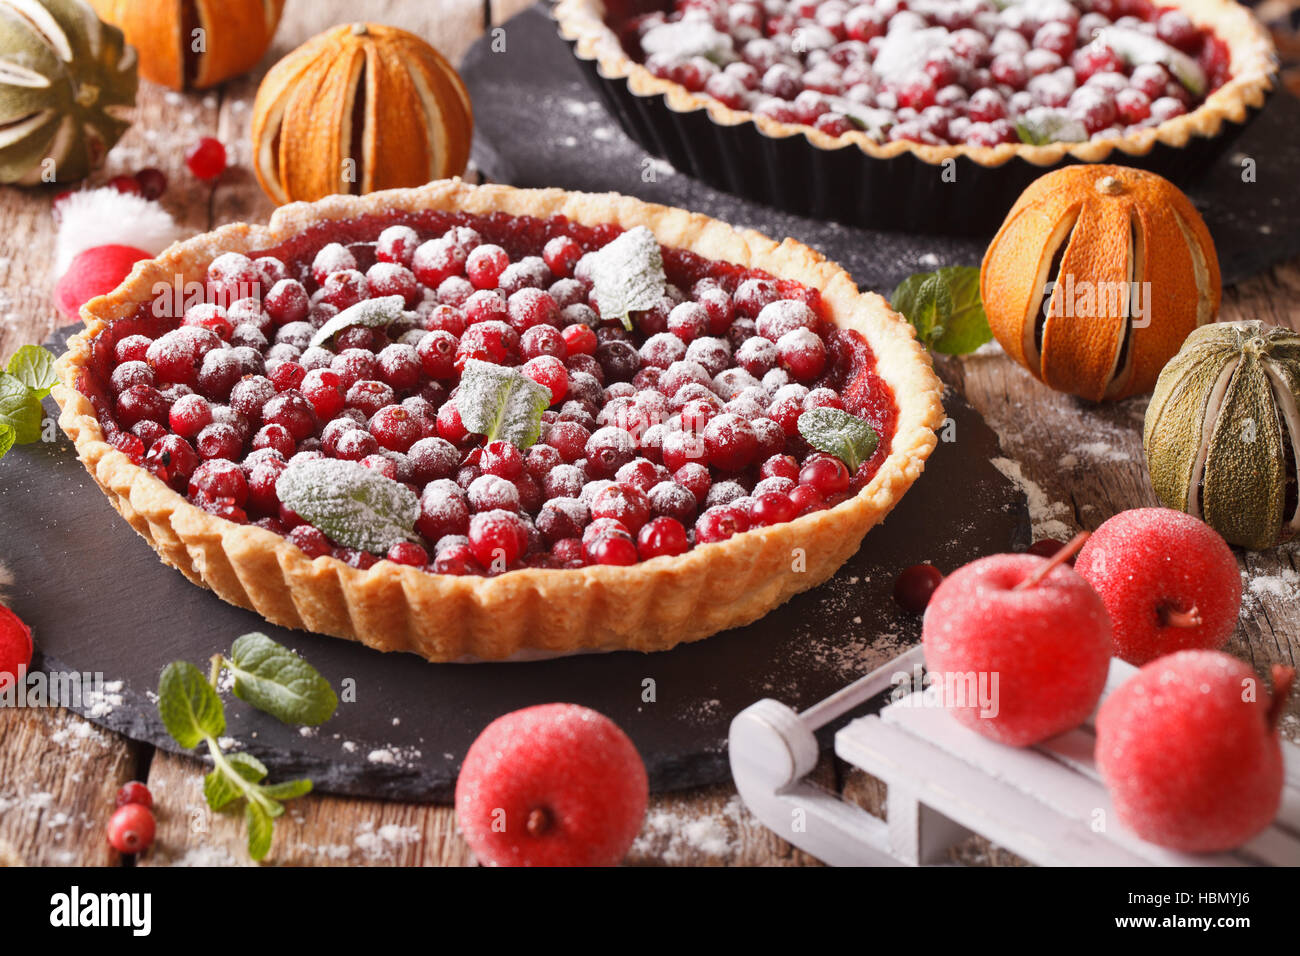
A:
(649, 606)
(1253, 69)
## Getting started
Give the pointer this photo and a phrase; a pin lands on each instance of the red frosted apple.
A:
(93, 272)
(1169, 582)
(1026, 633)
(15, 646)
(552, 785)
(1189, 749)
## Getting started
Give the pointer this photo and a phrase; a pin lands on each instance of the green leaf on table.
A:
(219, 790)
(261, 830)
(190, 708)
(278, 682)
(945, 309)
(287, 790)
(356, 506)
(501, 402)
(6, 438)
(34, 367)
(836, 432)
(627, 275)
(372, 313)
(20, 409)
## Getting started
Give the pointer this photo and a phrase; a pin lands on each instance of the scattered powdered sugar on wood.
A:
(387, 840)
(671, 837)
(1045, 515)
(1281, 587)
(102, 702)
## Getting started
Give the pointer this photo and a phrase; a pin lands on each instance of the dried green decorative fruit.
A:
(1223, 428)
(66, 82)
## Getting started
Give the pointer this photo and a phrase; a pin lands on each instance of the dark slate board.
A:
(99, 601)
(538, 123)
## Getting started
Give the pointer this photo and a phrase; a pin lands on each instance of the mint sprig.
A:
(273, 679)
(34, 367)
(372, 314)
(501, 402)
(26, 381)
(945, 308)
(627, 275)
(354, 505)
(836, 432)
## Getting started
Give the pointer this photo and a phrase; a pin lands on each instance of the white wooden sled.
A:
(1047, 803)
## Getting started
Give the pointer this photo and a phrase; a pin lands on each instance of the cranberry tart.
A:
(487, 423)
(875, 112)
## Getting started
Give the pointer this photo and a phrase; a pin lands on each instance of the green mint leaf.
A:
(945, 309)
(354, 505)
(838, 433)
(627, 275)
(967, 327)
(7, 436)
(261, 830)
(372, 313)
(20, 409)
(1136, 48)
(189, 707)
(219, 790)
(1044, 124)
(278, 682)
(501, 402)
(34, 367)
(925, 301)
(287, 790)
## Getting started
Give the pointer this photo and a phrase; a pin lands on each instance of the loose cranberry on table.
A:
(134, 792)
(1189, 749)
(1035, 635)
(1168, 580)
(914, 587)
(206, 158)
(131, 828)
(551, 785)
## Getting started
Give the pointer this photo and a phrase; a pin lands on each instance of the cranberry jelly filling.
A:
(937, 71)
(681, 432)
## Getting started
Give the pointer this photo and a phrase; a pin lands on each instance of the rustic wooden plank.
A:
(58, 776)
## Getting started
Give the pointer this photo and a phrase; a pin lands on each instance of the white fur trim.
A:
(106, 217)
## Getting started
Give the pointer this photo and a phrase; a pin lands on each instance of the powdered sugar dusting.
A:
(1044, 514)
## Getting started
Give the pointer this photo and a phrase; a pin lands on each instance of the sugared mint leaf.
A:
(945, 309)
(1136, 48)
(628, 275)
(838, 433)
(684, 40)
(34, 367)
(501, 402)
(1043, 124)
(354, 505)
(20, 409)
(190, 708)
(372, 313)
(278, 682)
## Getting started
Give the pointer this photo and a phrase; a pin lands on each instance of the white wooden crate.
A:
(1045, 803)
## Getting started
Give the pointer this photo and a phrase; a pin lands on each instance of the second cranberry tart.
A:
(487, 422)
(883, 112)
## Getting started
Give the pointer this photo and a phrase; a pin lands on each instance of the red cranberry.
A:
(293, 411)
(561, 254)
(484, 266)
(173, 460)
(915, 585)
(826, 474)
(133, 792)
(719, 524)
(312, 541)
(206, 158)
(409, 553)
(772, 508)
(190, 415)
(152, 182)
(131, 828)
(141, 402)
(497, 538)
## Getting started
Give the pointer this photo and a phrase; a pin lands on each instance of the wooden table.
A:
(58, 773)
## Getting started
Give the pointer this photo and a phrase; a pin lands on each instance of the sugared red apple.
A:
(1189, 749)
(15, 646)
(552, 785)
(1169, 582)
(1018, 645)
